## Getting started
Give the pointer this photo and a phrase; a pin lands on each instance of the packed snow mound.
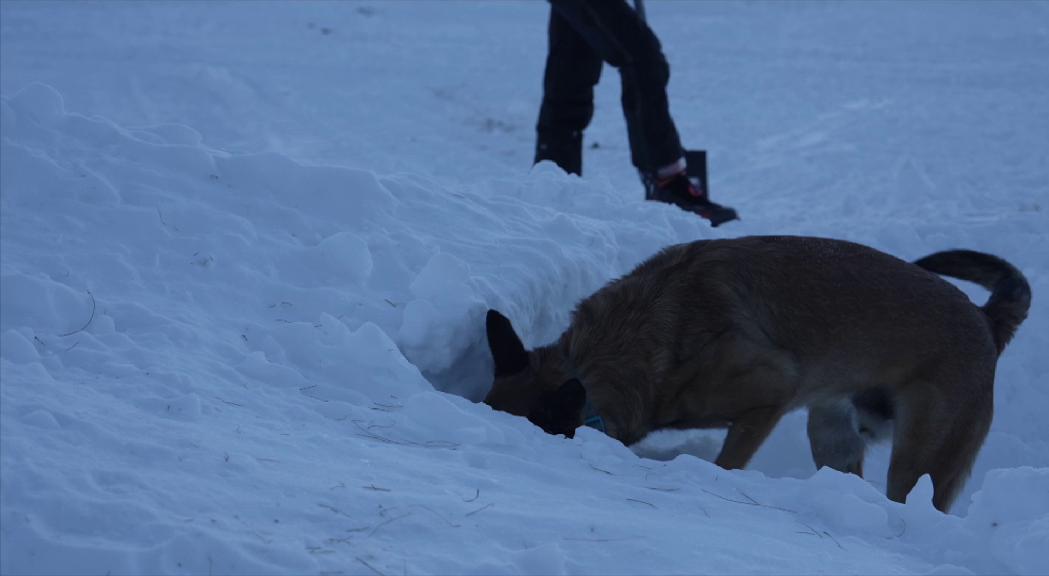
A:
(420, 262)
(223, 363)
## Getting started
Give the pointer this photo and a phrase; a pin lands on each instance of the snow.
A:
(247, 250)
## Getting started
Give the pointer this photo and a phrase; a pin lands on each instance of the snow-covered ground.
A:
(247, 249)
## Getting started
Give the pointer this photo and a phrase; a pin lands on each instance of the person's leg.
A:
(614, 30)
(572, 70)
(616, 33)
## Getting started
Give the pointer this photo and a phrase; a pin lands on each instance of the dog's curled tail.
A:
(1010, 297)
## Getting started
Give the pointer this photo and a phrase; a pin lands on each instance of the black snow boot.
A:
(688, 190)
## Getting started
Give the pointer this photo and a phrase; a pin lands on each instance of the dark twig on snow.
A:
(434, 512)
(333, 509)
(387, 521)
(748, 502)
(367, 433)
(370, 567)
(756, 503)
(86, 324)
(902, 532)
(485, 507)
(305, 389)
(831, 536)
(164, 222)
(716, 495)
(812, 532)
(641, 502)
(477, 495)
(601, 470)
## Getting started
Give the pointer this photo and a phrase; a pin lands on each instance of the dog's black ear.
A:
(507, 350)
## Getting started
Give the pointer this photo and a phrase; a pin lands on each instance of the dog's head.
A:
(533, 383)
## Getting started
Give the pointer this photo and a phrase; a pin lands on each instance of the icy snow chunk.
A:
(830, 480)
(196, 551)
(1014, 494)
(40, 102)
(1012, 510)
(444, 278)
(17, 348)
(331, 363)
(547, 169)
(179, 134)
(8, 117)
(850, 512)
(100, 132)
(487, 568)
(441, 322)
(949, 570)
(432, 338)
(41, 549)
(600, 450)
(339, 259)
(848, 504)
(544, 559)
(41, 418)
(43, 305)
(922, 492)
(30, 178)
(185, 407)
(1028, 555)
(377, 368)
(435, 416)
(419, 315)
(353, 198)
(255, 366)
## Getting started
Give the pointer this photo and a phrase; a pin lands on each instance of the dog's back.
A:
(842, 311)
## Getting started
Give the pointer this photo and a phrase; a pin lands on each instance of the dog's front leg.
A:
(746, 434)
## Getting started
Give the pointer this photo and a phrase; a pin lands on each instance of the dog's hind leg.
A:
(938, 434)
(746, 434)
(954, 465)
(834, 436)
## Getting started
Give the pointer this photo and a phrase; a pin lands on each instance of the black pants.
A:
(583, 35)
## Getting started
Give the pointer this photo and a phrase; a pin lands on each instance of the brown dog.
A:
(735, 333)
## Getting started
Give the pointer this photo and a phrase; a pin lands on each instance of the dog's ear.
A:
(507, 350)
(560, 411)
